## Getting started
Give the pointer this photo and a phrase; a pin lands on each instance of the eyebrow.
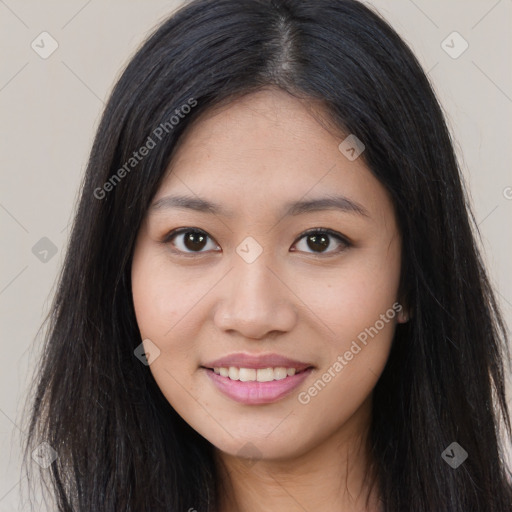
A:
(338, 202)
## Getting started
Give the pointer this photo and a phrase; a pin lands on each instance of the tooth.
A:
(265, 374)
(234, 373)
(253, 374)
(247, 374)
(279, 373)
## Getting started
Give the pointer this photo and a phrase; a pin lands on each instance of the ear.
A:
(404, 315)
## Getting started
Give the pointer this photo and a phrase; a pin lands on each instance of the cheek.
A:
(360, 308)
(163, 295)
(353, 297)
(163, 300)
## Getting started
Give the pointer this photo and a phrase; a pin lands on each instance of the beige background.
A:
(50, 109)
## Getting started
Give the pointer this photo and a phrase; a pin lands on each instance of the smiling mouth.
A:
(269, 374)
(257, 386)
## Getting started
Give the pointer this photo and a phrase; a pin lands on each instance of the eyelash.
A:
(317, 231)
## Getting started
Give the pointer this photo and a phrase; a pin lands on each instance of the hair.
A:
(120, 444)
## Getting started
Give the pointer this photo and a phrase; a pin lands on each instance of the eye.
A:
(319, 240)
(193, 241)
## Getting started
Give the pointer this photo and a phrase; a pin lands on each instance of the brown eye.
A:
(319, 240)
(189, 240)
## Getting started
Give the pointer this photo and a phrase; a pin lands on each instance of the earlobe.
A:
(403, 316)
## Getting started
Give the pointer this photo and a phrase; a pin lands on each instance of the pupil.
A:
(318, 242)
(194, 240)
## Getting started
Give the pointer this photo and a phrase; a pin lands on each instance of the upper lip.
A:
(244, 360)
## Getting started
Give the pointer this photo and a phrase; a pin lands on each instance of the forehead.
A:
(265, 150)
(270, 121)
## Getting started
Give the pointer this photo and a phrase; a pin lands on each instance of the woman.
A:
(272, 297)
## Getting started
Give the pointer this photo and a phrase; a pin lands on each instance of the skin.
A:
(251, 157)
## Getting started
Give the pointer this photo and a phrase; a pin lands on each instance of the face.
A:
(266, 248)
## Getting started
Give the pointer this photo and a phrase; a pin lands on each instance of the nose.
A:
(255, 302)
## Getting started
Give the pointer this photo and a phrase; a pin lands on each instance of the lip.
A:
(245, 360)
(254, 392)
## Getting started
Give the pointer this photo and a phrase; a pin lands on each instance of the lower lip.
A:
(255, 393)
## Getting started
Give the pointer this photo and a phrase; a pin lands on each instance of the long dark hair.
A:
(120, 445)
